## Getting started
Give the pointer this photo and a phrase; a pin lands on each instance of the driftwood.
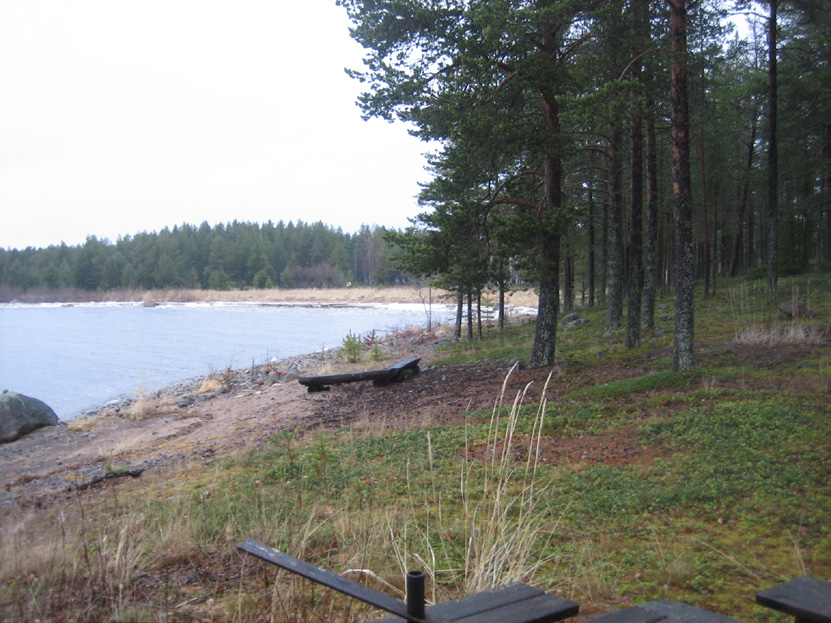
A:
(132, 473)
(396, 372)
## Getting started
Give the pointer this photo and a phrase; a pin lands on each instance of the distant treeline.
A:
(219, 257)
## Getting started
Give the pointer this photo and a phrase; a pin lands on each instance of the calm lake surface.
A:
(80, 357)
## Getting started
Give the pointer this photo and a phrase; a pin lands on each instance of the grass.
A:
(715, 485)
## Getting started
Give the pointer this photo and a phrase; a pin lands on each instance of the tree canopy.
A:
(552, 115)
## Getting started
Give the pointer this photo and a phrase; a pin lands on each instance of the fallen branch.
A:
(132, 473)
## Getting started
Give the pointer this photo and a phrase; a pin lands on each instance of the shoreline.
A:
(197, 419)
(123, 396)
(357, 294)
(189, 350)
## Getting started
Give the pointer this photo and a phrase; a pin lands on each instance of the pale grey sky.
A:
(120, 116)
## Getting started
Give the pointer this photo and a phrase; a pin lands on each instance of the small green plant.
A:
(376, 353)
(352, 347)
(228, 378)
(111, 469)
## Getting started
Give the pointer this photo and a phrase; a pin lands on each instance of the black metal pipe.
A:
(415, 594)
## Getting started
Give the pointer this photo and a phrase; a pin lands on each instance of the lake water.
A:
(80, 357)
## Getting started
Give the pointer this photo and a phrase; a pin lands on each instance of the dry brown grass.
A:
(85, 423)
(209, 384)
(125, 446)
(26, 552)
(791, 334)
(147, 405)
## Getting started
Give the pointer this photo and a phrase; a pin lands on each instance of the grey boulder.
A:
(576, 323)
(570, 317)
(796, 309)
(21, 414)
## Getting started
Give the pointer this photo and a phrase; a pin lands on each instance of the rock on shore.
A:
(21, 414)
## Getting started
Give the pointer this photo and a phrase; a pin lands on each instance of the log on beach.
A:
(396, 372)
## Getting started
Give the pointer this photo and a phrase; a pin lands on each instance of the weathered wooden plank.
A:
(334, 581)
(346, 377)
(400, 370)
(542, 609)
(517, 603)
(379, 377)
(679, 612)
(479, 602)
(806, 598)
(404, 364)
(631, 615)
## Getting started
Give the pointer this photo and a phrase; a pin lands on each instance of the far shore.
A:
(358, 294)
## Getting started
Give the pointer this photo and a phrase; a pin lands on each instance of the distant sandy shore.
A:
(522, 298)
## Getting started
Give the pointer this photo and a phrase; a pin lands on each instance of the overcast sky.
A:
(121, 116)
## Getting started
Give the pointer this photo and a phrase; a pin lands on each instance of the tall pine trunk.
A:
(633, 319)
(545, 338)
(738, 243)
(773, 159)
(650, 284)
(705, 223)
(614, 270)
(500, 323)
(591, 247)
(684, 357)
(470, 315)
(826, 193)
(460, 299)
(568, 281)
(604, 253)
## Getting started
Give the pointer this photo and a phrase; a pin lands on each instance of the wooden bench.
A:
(664, 611)
(805, 598)
(517, 603)
(396, 372)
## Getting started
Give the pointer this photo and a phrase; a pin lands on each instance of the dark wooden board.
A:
(346, 377)
(404, 364)
(630, 615)
(806, 598)
(542, 609)
(479, 602)
(378, 377)
(679, 612)
(517, 603)
(332, 580)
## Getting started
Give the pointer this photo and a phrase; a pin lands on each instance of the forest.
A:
(218, 257)
(609, 148)
(600, 151)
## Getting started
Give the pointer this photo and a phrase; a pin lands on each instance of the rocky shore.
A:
(197, 419)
